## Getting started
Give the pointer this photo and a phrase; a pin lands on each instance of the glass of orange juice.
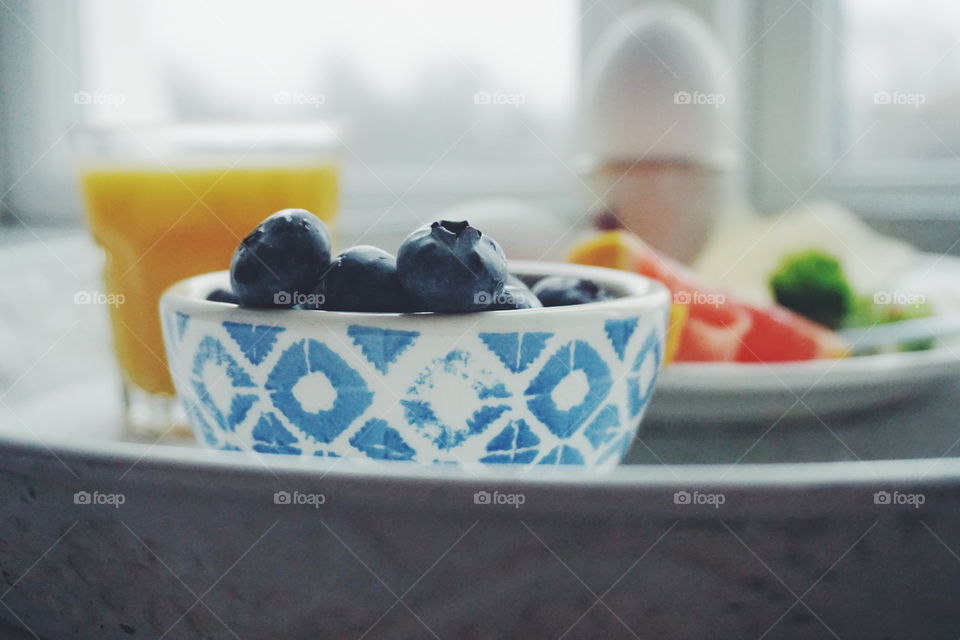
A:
(168, 202)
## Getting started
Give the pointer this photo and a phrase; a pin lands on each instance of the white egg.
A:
(654, 88)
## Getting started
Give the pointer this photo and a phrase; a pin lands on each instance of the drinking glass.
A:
(170, 201)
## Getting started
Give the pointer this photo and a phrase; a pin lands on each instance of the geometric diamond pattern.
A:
(256, 341)
(643, 374)
(571, 396)
(352, 397)
(619, 332)
(561, 369)
(381, 346)
(516, 350)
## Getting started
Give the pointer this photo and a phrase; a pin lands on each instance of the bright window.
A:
(903, 66)
(855, 100)
(477, 95)
(437, 100)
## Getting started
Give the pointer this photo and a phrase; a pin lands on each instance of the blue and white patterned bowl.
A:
(558, 386)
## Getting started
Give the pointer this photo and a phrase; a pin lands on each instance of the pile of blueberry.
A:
(442, 267)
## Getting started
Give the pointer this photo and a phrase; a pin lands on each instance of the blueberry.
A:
(515, 297)
(222, 295)
(363, 278)
(450, 266)
(559, 291)
(283, 258)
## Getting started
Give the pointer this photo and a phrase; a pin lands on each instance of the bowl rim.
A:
(635, 293)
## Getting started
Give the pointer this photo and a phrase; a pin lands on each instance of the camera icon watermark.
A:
(899, 98)
(501, 298)
(715, 100)
(914, 500)
(97, 98)
(297, 98)
(98, 297)
(698, 498)
(293, 298)
(699, 298)
(298, 498)
(483, 298)
(514, 100)
(899, 299)
(114, 500)
(497, 498)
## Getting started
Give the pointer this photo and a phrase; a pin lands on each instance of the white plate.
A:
(733, 392)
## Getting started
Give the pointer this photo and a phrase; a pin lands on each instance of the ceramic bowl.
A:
(557, 386)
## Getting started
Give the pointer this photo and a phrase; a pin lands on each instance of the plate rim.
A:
(841, 372)
(773, 475)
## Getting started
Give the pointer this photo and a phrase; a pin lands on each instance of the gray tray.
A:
(789, 541)
(200, 548)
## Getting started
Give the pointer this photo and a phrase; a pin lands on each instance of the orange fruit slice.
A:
(706, 324)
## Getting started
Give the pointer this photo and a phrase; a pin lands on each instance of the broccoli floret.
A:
(812, 283)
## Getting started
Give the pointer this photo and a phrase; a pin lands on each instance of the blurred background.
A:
(529, 119)
(847, 99)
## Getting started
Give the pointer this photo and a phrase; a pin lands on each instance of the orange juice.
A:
(158, 226)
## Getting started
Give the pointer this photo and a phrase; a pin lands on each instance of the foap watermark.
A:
(290, 298)
(512, 499)
(298, 498)
(896, 498)
(299, 98)
(496, 98)
(699, 498)
(899, 98)
(98, 297)
(96, 498)
(699, 97)
(699, 298)
(504, 298)
(899, 298)
(99, 98)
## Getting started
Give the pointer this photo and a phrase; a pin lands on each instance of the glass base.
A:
(153, 417)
